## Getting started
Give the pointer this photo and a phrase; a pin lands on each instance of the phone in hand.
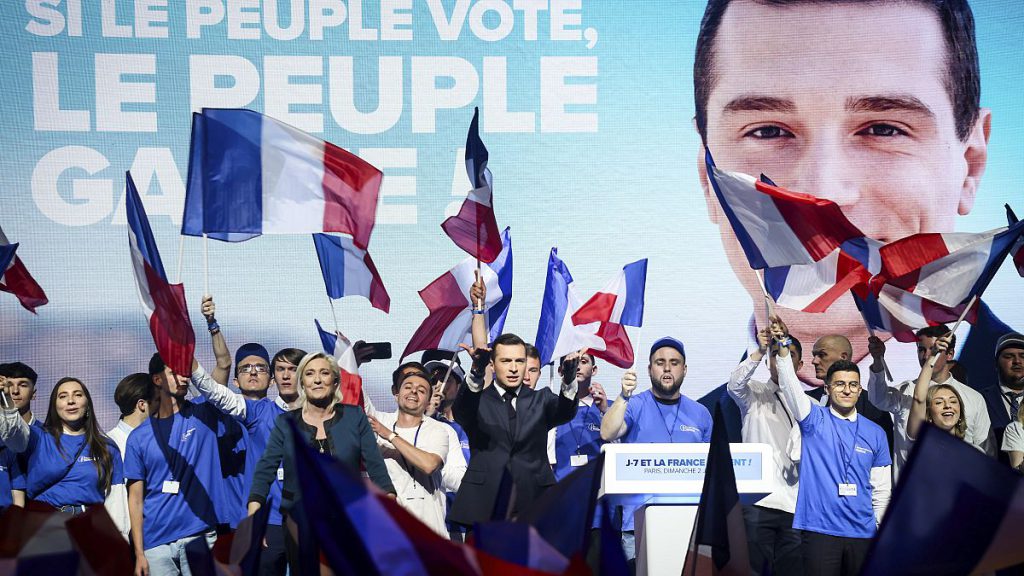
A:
(379, 350)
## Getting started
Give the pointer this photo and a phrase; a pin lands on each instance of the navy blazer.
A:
(349, 438)
(484, 417)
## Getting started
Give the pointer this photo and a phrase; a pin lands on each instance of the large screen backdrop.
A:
(586, 107)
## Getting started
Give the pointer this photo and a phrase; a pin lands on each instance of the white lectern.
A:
(668, 479)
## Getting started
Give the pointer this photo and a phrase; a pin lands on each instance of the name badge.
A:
(578, 460)
(170, 487)
(280, 474)
(847, 489)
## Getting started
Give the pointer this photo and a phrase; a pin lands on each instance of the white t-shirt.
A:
(1013, 438)
(421, 494)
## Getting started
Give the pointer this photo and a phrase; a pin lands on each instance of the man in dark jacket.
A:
(507, 424)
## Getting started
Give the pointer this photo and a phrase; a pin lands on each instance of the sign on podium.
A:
(666, 480)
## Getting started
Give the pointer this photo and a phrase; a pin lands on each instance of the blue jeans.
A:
(170, 559)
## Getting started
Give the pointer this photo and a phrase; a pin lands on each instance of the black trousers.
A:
(826, 555)
(774, 544)
(274, 558)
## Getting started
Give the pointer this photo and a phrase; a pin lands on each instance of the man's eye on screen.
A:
(882, 130)
(768, 133)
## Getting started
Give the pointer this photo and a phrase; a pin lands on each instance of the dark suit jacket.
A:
(484, 417)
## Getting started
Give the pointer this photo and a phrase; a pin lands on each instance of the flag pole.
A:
(181, 252)
(206, 265)
(451, 364)
(334, 314)
(963, 315)
(769, 309)
(637, 348)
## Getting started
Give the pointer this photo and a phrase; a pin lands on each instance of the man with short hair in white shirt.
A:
(414, 448)
(897, 400)
(134, 396)
(767, 419)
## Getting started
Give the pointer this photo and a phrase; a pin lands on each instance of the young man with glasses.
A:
(253, 410)
(845, 477)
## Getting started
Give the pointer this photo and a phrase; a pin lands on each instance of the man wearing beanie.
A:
(1004, 398)
(661, 414)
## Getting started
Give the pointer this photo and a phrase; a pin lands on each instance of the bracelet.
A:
(213, 327)
(392, 437)
(784, 342)
(478, 311)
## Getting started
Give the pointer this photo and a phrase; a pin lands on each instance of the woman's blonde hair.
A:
(335, 372)
(960, 428)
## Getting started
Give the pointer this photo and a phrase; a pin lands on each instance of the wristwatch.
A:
(392, 437)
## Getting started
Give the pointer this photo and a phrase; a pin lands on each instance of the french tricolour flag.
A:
(475, 228)
(349, 271)
(447, 298)
(345, 355)
(903, 313)
(947, 269)
(250, 174)
(814, 287)
(162, 302)
(557, 335)
(777, 227)
(621, 301)
(14, 277)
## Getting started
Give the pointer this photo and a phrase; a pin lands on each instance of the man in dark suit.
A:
(1007, 394)
(507, 425)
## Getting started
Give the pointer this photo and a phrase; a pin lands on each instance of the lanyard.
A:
(415, 439)
(837, 445)
(784, 409)
(578, 436)
(675, 420)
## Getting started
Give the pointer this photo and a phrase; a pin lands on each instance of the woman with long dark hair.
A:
(71, 463)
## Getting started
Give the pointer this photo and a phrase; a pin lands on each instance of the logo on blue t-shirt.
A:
(84, 458)
(863, 450)
(187, 434)
(685, 428)
(593, 427)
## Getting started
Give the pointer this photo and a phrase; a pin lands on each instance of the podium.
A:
(668, 479)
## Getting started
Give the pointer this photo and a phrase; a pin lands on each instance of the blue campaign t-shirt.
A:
(233, 449)
(579, 436)
(183, 448)
(260, 416)
(837, 451)
(11, 477)
(45, 478)
(460, 432)
(649, 421)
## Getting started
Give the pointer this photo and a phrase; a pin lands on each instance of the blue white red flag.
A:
(718, 544)
(250, 174)
(775, 226)
(162, 302)
(557, 335)
(16, 279)
(814, 287)
(475, 228)
(7, 252)
(450, 307)
(564, 514)
(948, 269)
(349, 271)
(344, 354)
(621, 301)
(954, 511)
(48, 542)
(360, 531)
(903, 313)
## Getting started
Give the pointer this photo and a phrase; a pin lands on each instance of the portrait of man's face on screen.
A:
(870, 105)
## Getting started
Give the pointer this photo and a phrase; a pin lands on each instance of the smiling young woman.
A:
(71, 464)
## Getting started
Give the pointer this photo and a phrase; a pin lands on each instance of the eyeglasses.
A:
(254, 368)
(851, 386)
